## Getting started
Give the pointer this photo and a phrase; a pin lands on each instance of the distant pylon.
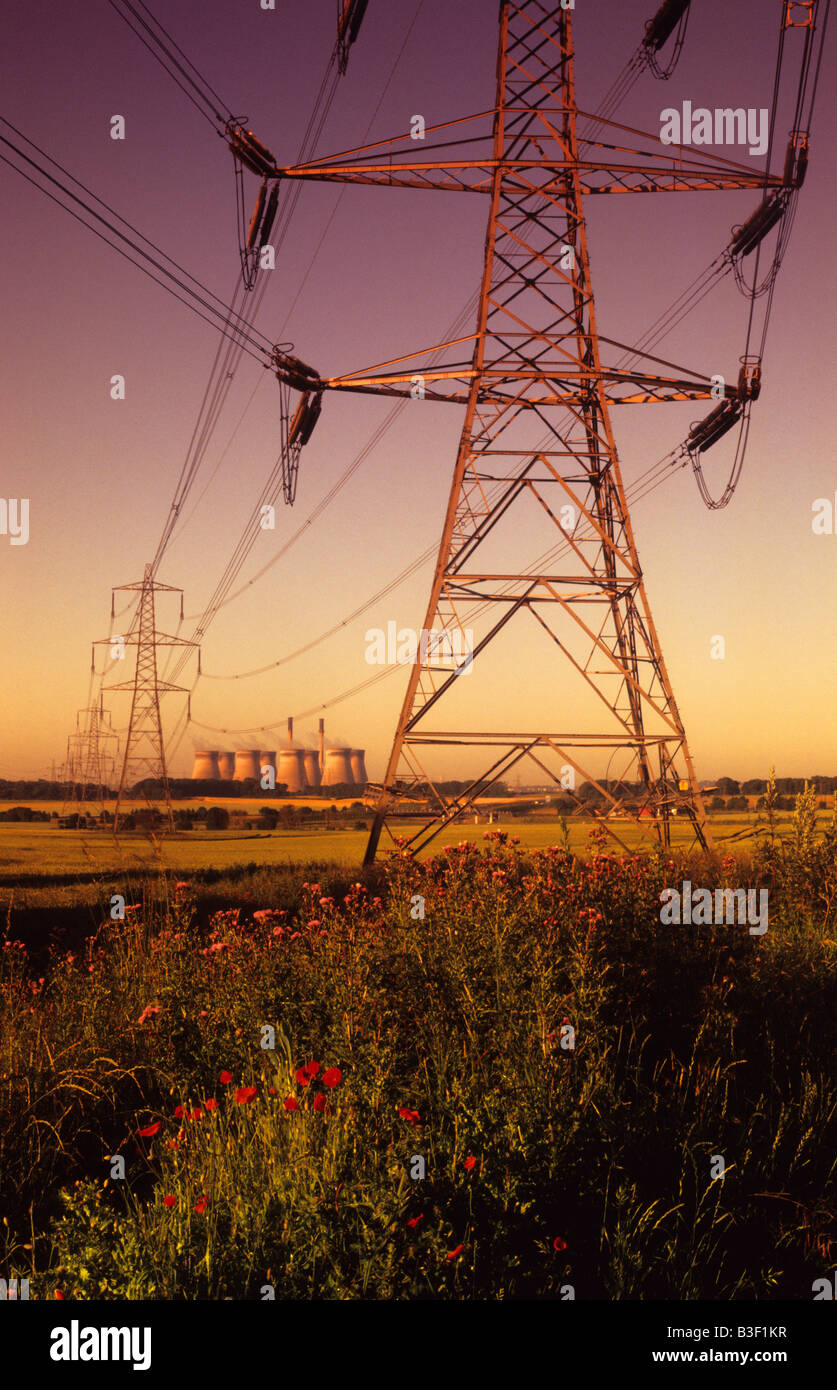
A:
(145, 752)
(91, 759)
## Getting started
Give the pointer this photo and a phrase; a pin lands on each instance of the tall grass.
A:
(549, 1169)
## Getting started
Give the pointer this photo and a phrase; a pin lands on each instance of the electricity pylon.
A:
(91, 756)
(536, 366)
(145, 752)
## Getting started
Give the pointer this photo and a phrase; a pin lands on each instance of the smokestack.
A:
(206, 765)
(291, 732)
(322, 746)
(312, 767)
(246, 764)
(358, 761)
(226, 765)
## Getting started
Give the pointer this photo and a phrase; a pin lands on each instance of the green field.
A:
(41, 865)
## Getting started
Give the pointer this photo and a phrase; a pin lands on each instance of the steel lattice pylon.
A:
(536, 366)
(144, 748)
(91, 757)
(537, 316)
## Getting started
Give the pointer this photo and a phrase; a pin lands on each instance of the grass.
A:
(32, 855)
(466, 1150)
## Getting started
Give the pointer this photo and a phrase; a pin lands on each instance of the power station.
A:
(299, 769)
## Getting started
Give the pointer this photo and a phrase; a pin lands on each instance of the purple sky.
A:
(395, 268)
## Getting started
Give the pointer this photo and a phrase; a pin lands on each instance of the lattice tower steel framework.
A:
(145, 755)
(537, 363)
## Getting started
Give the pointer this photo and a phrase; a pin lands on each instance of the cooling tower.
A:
(206, 765)
(246, 764)
(338, 767)
(358, 761)
(312, 766)
(291, 769)
(268, 759)
(226, 763)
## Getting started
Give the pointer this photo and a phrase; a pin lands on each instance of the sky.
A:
(394, 269)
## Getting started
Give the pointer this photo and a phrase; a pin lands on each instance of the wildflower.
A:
(414, 1220)
(148, 1011)
(412, 1116)
(225, 1078)
(59, 1294)
(182, 884)
(452, 1254)
(291, 1103)
(245, 1094)
(201, 1205)
(312, 1068)
(210, 1104)
(169, 1200)
(203, 1014)
(302, 1077)
(559, 1243)
(150, 1130)
(332, 1077)
(470, 1163)
(196, 1113)
(179, 1112)
(315, 922)
(319, 1104)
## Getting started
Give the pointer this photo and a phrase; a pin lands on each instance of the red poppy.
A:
(196, 1113)
(271, 1090)
(225, 1078)
(179, 1112)
(414, 1220)
(210, 1104)
(410, 1115)
(245, 1094)
(470, 1163)
(319, 1104)
(59, 1294)
(452, 1254)
(291, 1103)
(150, 1130)
(559, 1244)
(312, 1068)
(332, 1077)
(169, 1200)
(201, 1205)
(302, 1077)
